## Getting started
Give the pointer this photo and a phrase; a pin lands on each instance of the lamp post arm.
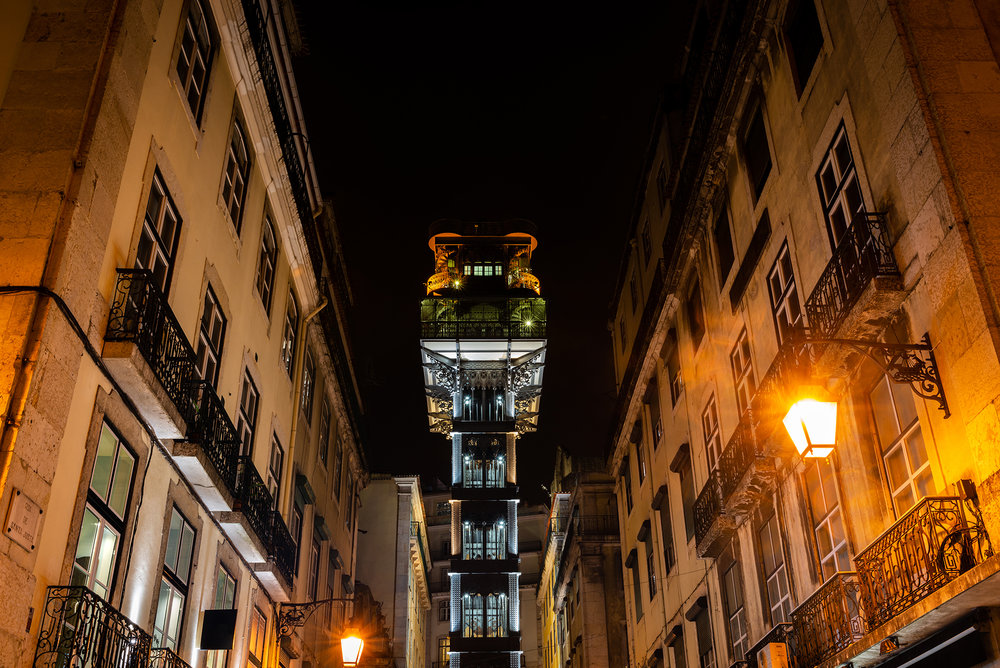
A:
(294, 615)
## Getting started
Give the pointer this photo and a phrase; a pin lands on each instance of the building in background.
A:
(180, 412)
(815, 172)
(483, 351)
(394, 559)
(581, 606)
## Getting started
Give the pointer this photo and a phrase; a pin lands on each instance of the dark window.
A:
(622, 333)
(313, 570)
(267, 263)
(804, 38)
(323, 444)
(661, 186)
(756, 152)
(667, 532)
(640, 457)
(234, 180)
(210, 337)
(274, 469)
(444, 610)
(742, 366)
(703, 629)
(246, 421)
(161, 227)
(688, 497)
(634, 293)
(784, 295)
(736, 616)
(652, 402)
(194, 60)
(680, 653)
(696, 315)
(308, 384)
(289, 333)
(674, 371)
(723, 246)
(338, 464)
(633, 565)
(651, 566)
(627, 484)
(647, 242)
(839, 191)
(777, 596)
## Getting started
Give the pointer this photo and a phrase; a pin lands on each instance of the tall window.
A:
(161, 227)
(784, 296)
(667, 532)
(674, 372)
(274, 468)
(742, 366)
(496, 616)
(257, 636)
(710, 432)
(777, 597)
(688, 496)
(225, 599)
(234, 181)
(313, 570)
(640, 458)
(732, 587)
(627, 484)
(194, 61)
(703, 629)
(246, 421)
(210, 337)
(756, 152)
(904, 453)
(646, 242)
(661, 186)
(622, 334)
(650, 566)
(651, 400)
(444, 647)
(323, 444)
(308, 383)
(104, 515)
(444, 610)
(632, 564)
(484, 540)
(338, 464)
(349, 510)
(839, 191)
(174, 584)
(484, 616)
(633, 288)
(267, 263)
(295, 528)
(827, 520)
(804, 39)
(723, 245)
(289, 333)
(696, 315)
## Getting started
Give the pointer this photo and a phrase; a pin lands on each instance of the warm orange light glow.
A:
(351, 646)
(812, 425)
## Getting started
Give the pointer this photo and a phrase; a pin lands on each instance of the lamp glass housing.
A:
(351, 647)
(812, 426)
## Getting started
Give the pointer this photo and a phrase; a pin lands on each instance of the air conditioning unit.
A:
(773, 655)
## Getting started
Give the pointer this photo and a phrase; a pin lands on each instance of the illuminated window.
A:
(225, 599)
(257, 636)
(742, 366)
(777, 596)
(904, 453)
(784, 297)
(828, 522)
(194, 60)
(174, 583)
(161, 226)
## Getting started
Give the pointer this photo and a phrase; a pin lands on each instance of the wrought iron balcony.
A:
(936, 541)
(253, 498)
(212, 429)
(281, 547)
(782, 632)
(595, 526)
(708, 507)
(79, 628)
(828, 621)
(162, 657)
(452, 318)
(863, 255)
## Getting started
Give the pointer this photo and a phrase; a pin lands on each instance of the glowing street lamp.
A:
(812, 423)
(351, 646)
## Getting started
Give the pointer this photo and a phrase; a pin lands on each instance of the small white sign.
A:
(22, 520)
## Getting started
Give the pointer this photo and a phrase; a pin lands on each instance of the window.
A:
(338, 464)
(742, 366)
(703, 629)
(444, 647)
(827, 520)
(349, 510)
(756, 152)
(661, 186)
(640, 459)
(904, 453)
(308, 383)
(627, 485)
(622, 334)
(289, 334)
(234, 182)
(803, 38)
(633, 293)
(696, 315)
(104, 515)
(258, 633)
(723, 245)
(444, 610)
(839, 191)
(777, 597)
(295, 528)
(174, 584)
(650, 566)
(680, 653)
(710, 431)
(667, 533)
(784, 297)
(194, 61)
(688, 497)
(246, 421)
(674, 373)
(267, 264)
(484, 540)
(210, 337)
(652, 404)
(631, 564)
(161, 227)
(313, 570)
(323, 444)
(484, 616)
(646, 242)
(732, 587)
(274, 469)
(225, 599)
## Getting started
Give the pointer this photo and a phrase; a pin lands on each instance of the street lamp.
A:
(812, 423)
(294, 615)
(351, 646)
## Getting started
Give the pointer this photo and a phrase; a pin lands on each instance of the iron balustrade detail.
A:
(281, 547)
(863, 254)
(517, 318)
(708, 506)
(782, 632)
(212, 429)
(140, 315)
(163, 657)
(926, 548)
(830, 620)
(253, 499)
(740, 453)
(79, 628)
(588, 526)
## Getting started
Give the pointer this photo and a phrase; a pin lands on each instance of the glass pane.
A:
(837, 532)
(173, 541)
(853, 196)
(162, 602)
(903, 499)
(905, 406)
(924, 483)
(823, 539)
(843, 153)
(884, 413)
(105, 560)
(184, 556)
(104, 463)
(88, 539)
(815, 491)
(121, 483)
(829, 180)
(174, 618)
(896, 469)
(915, 449)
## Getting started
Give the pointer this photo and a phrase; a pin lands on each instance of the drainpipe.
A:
(300, 356)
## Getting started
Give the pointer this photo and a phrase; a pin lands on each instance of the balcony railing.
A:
(253, 499)
(828, 621)
(590, 526)
(212, 429)
(445, 318)
(926, 548)
(863, 254)
(79, 628)
(708, 506)
(281, 547)
(140, 315)
(782, 632)
(161, 657)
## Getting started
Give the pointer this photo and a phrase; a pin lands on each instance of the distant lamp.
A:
(351, 646)
(528, 323)
(812, 424)
(458, 283)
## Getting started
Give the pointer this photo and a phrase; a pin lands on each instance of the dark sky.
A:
(481, 111)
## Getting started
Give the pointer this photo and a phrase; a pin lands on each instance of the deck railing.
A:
(828, 621)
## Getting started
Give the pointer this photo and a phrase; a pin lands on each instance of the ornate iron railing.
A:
(925, 549)
(163, 657)
(740, 453)
(212, 429)
(79, 628)
(708, 506)
(140, 314)
(595, 525)
(281, 547)
(253, 498)
(863, 254)
(446, 318)
(782, 632)
(830, 620)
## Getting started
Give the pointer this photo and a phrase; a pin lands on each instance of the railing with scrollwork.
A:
(708, 506)
(447, 318)
(864, 253)
(212, 429)
(163, 657)
(782, 632)
(140, 314)
(926, 548)
(830, 620)
(253, 499)
(740, 453)
(79, 628)
(281, 547)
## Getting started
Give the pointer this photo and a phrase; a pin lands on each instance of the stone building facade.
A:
(180, 413)
(818, 172)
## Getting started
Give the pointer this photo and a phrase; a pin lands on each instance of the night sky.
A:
(481, 113)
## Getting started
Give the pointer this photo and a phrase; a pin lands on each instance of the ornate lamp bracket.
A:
(294, 615)
(907, 363)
